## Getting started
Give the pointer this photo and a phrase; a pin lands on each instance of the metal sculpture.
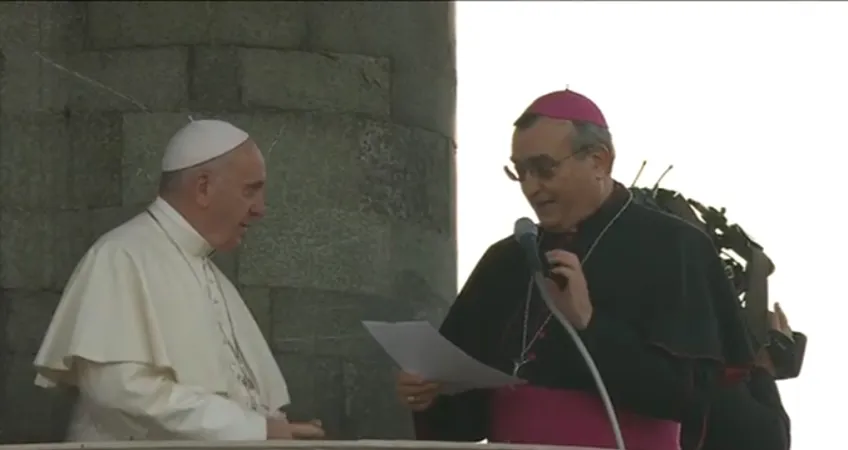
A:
(746, 265)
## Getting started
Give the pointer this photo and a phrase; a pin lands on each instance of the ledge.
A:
(316, 445)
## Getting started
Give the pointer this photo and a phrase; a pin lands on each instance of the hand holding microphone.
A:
(564, 279)
(572, 299)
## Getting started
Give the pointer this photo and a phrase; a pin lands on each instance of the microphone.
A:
(526, 233)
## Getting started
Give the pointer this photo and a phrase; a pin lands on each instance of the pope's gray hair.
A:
(171, 182)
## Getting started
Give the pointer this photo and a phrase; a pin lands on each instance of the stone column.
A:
(43, 202)
(353, 105)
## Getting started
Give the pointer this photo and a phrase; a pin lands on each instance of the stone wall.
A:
(353, 104)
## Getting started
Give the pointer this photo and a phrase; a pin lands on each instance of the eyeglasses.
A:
(542, 167)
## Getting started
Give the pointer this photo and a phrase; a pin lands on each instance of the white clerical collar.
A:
(179, 229)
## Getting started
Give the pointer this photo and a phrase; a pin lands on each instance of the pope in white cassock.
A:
(158, 342)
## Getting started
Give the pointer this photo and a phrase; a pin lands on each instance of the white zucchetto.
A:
(201, 141)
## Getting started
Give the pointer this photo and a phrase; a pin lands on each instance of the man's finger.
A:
(422, 389)
(774, 321)
(420, 406)
(566, 272)
(781, 317)
(408, 378)
(562, 258)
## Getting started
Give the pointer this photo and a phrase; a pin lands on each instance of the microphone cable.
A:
(539, 278)
(526, 233)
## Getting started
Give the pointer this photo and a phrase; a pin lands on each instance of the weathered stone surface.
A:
(372, 408)
(30, 414)
(19, 24)
(101, 220)
(420, 39)
(26, 249)
(34, 160)
(408, 175)
(40, 249)
(30, 313)
(360, 210)
(316, 388)
(336, 186)
(19, 93)
(131, 80)
(329, 322)
(128, 24)
(228, 263)
(96, 146)
(41, 25)
(145, 137)
(329, 249)
(423, 270)
(29, 32)
(71, 233)
(315, 81)
(215, 78)
(258, 301)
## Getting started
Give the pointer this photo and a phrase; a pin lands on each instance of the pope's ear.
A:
(203, 188)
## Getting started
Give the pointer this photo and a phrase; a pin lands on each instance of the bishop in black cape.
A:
(665, 332)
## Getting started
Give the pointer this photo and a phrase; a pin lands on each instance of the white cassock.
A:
(157, 340)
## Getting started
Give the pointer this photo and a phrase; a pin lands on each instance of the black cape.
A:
(748, 416)
(666, 322)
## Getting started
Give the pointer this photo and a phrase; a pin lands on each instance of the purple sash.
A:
(533, 415)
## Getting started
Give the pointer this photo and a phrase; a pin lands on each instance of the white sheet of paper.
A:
(418, 348)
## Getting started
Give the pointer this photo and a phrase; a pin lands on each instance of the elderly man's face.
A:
(236, 196)
(553, 178)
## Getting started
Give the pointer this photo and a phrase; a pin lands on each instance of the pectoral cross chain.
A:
(517, 364)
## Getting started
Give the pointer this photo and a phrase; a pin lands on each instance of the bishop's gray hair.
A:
(589, 135)
(586, 135)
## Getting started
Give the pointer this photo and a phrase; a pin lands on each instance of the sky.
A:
(748, 101)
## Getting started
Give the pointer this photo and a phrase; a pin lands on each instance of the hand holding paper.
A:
(419, 349)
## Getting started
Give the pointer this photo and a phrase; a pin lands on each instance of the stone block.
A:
(34, 161)
(422, 50)
(423, 270)
(130, 80)
(71, 234)
(145, 138)
(409, 175)
(129, 24)
(327, 249)
(329, 161)
(294, 80)
(329, 322)
(19, 24)
(40, 249)
(259, 24)
(26, 249)
(32, 82)
(29, 312)
(228, 263)
(33, 414)
(41, 25)
(102, 220)
(96, 146)
(4, 323)
(316, 389)
(312, 159)
(215, 78)
(372, 410)
(258, 301)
